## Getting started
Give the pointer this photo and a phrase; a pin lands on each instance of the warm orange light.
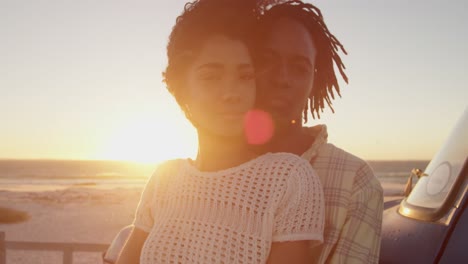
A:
(152, 139)
(258, 127)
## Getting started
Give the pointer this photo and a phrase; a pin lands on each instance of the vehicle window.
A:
(443, 170)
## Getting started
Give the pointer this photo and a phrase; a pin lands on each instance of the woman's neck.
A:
(218, 153)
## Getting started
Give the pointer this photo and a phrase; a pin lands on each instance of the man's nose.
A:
(281, 76)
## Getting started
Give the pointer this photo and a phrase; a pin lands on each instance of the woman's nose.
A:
(231, 92)
(231, 97)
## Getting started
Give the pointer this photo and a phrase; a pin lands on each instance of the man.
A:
(295, 60)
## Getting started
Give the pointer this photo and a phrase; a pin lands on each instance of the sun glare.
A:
(152, 140)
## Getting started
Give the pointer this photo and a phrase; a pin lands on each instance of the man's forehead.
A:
(287, 37)
(299, 55)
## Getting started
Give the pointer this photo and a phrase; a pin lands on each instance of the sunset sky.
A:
(82, 79)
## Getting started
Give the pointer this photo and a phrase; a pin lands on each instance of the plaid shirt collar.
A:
(320, 133)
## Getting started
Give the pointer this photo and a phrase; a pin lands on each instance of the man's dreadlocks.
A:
(328, 46)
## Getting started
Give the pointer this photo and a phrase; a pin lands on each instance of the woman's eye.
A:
(210, 77)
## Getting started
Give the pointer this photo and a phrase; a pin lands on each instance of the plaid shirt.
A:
(353, 203)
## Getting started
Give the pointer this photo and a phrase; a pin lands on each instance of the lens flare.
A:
(258, 127)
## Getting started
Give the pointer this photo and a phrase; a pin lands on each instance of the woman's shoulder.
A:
(168, 167)
(287, 164)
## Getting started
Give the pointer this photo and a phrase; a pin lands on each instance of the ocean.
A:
(62, 173)
(120, 173)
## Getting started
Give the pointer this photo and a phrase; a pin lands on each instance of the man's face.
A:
(285, 66)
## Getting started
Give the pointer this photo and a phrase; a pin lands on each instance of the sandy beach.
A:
(75, 214)
(78, 214)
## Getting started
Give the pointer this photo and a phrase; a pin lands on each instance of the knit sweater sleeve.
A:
(300, 214)
(144, 214)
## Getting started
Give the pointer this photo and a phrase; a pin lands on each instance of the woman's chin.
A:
(228, 132)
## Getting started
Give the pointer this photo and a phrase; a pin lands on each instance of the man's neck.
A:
(292, 139)
(218, 153)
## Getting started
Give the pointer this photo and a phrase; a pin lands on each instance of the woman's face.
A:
(220, 87)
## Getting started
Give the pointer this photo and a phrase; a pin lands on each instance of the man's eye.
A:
(300, 69)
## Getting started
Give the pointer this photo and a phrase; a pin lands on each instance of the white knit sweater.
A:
(232, 215)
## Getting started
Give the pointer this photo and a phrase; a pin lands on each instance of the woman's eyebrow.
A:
(211, 65)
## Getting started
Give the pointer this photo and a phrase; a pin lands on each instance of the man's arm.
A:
(359, 240)
(132, 249)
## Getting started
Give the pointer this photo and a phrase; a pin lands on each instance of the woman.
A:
(228, 205)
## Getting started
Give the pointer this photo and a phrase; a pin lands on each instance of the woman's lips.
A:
(232, 116)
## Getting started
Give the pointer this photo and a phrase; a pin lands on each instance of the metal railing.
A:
(66, 248)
